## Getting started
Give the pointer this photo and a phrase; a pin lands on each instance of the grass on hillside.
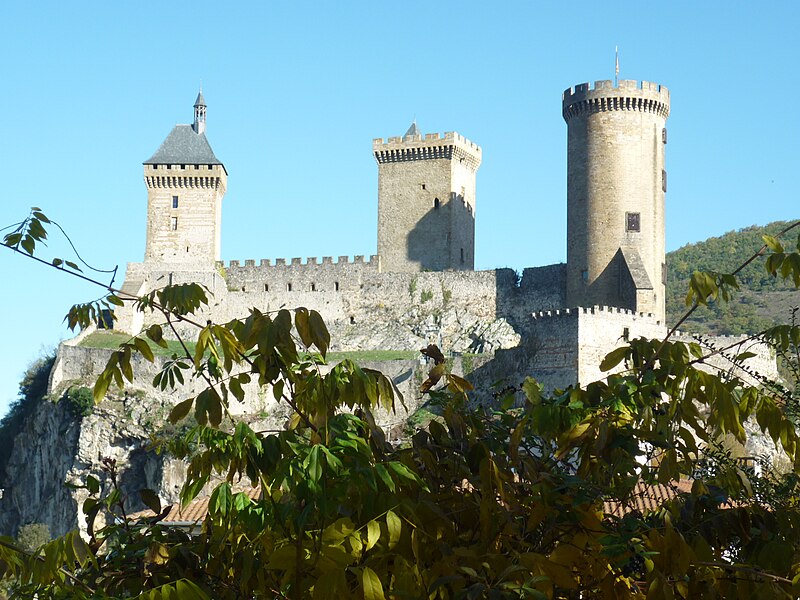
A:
(110, 340)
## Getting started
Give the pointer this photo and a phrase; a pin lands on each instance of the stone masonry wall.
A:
(188, 233)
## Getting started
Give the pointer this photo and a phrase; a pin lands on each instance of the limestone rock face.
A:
(56, 448)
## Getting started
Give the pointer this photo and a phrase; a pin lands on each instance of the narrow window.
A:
(664, 135)
(633, 221)
(155, 166)
(585, 276)
(196, 167)
(173, 223)
(663, 273)
(183, 166)
(169, 166)
(288, 287)
(174, 202)
(626, 334)
(209, 167)
(336, 286)
(352, 320)
(462, 255)
(313, 287)
(266, 287)
(242, 288)
(664, 180)
(187, 248)
(423, 186)
(170, 279)
(436, 203)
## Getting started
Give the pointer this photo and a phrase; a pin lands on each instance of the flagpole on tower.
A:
(616, 66)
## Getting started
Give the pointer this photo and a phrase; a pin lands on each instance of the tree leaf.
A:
(613, 358)
(180, 410)
(151, 500)
(395, 527)
(371, 585)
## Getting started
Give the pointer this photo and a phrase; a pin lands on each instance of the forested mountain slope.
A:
(762, 299)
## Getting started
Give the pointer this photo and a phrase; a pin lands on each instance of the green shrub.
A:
(426, 295)
(32, 390)
(33, 535)
(80, 401)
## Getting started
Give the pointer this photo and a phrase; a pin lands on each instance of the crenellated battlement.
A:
(297, 263)
(590, 310)
(428, 147)
(603, 96)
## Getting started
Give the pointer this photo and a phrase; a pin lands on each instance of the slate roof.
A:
(412, 130)
(200, 100)
(184, 146)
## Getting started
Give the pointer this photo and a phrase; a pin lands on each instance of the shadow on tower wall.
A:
(444, 238)
(614, 286)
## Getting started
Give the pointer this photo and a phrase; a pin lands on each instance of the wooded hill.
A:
(761, 301)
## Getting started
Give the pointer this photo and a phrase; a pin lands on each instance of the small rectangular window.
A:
(173, 223)
(183, 166)
(336, 286)
(462, 255)
(155, 166)
(626, 334)
(169, 166)
(209, 167)
(174, 202)
(266, 287)
(423, 186)
(288, 287)
(313, 287)
(633, 221)
(585, 276)
(664, 135)
(664, 180)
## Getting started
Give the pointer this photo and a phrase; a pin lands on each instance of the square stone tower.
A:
(185, 185)
(426, 201)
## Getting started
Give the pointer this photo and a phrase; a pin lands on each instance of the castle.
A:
(555, 322)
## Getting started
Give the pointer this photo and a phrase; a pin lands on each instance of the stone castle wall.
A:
(475, 311)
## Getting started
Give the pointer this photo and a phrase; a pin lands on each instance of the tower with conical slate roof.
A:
(426, 201)
(185, 185)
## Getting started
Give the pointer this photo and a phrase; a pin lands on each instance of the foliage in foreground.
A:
(507, 501)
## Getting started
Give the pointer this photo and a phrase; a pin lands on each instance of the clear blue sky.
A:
(296, 92)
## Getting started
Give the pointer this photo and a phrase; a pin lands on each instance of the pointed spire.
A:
(200, 113)
(412, 131)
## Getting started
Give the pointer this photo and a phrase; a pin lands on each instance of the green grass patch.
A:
(111, 340)
(362, 355)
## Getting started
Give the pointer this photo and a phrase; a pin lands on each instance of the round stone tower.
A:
(616, 184)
